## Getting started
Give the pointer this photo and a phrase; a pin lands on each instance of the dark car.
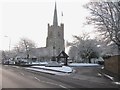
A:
(6, 62)
(101, 62)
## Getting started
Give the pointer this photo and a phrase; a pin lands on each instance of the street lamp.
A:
(9, 42)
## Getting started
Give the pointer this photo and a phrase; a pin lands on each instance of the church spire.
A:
(55, 22)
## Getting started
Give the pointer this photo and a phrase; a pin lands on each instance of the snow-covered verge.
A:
(82, 64)
(118, 83)
(47, 71)
(112, 78)
(64, 69)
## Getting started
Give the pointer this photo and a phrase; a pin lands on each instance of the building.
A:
(55, 38)
(54, 41)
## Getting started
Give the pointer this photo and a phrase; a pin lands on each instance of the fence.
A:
(112, 64)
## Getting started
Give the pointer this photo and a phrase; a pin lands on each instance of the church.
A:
(54, 40)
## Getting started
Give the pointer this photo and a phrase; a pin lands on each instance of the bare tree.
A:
(106, 18)
(16, 49)
(25, 45)
(4, 57)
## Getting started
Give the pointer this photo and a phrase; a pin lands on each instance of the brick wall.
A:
(112, 64)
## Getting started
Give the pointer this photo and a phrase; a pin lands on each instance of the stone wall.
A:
(112, 64)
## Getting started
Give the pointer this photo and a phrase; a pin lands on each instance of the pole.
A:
(61, 17)
(9, 44)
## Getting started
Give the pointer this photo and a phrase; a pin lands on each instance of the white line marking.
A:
(63, 86)
(50, 83)
(22, 73)
(111, 78)
(37, 78)
(99, 74)
(5, 65)
(16, 66)
(118, 83)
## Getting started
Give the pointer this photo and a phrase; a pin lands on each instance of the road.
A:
(19, 77)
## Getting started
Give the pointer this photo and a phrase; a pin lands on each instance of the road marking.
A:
(5, 65)
(99, 74)
(51, 83)
(16, 66)
(63, 87)
(111, 78)
(37, 78)
(23, 74)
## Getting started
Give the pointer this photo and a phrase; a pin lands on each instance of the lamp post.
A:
(9, 42)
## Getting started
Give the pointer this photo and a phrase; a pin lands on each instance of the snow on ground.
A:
(47, 71)
(71, 64)
(82, 64)
(65, 69)
(16, 66)
(102, 67)
(41, 63)
(35, 63)
(109, 77)
(99, 74)
(58, 70)
(118, 83)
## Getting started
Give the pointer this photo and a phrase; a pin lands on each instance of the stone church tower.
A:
(55, 38)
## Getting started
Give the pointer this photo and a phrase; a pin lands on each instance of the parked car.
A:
(11, 62)
(23, 62)
(6, 62)
(101, 62)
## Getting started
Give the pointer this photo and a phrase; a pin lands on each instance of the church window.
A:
(50, 34)
(58, 34)
(53, 47)
(59, 49)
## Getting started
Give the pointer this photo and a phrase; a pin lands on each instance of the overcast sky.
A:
(29, 18)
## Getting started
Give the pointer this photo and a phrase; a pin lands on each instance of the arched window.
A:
(50, 34)
(58, 34)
